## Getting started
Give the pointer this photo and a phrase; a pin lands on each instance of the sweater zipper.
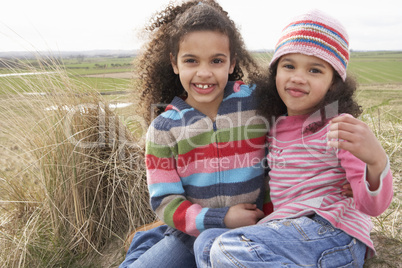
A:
(218, 163)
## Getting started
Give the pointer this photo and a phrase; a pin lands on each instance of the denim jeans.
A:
(153, 248)
(203, 244)
(142, 241)
(300, 242)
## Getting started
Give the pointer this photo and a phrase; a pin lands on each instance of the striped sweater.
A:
(306, 177)
(197, 168)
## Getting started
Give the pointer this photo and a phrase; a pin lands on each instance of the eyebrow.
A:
(319, 65)
(213, 56)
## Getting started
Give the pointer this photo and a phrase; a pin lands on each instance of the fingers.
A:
(339, 144)
(349, 124)
(255, 216)
(347, 186)
(347, 190)
(344, 118)
(343, 127)
(339, 134)
(254, 212)
(347, 193)
(260, 214)
(347, 132)
(249, 206)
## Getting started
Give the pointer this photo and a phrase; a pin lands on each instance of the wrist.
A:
(374, 172)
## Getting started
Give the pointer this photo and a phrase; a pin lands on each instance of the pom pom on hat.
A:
(316, 34)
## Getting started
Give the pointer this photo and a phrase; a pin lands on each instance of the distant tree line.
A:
(113, 65)
(18, 64)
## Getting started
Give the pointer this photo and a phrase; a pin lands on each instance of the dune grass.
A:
(80, 180)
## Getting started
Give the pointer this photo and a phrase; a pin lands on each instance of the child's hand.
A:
(242, 215)
(360, 141)
(347, 190)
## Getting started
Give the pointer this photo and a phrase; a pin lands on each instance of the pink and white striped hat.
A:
(316, 34)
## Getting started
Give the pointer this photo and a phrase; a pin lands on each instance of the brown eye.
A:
(189, 61)
(288, 66)
(216, 61)
(316, 71)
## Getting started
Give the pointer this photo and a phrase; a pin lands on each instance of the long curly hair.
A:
(270, 105)
(158, 84)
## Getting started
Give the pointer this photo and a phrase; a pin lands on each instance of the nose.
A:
(204, 71)
(298, 77)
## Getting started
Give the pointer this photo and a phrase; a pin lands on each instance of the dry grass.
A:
(80, 181)
(387, 232)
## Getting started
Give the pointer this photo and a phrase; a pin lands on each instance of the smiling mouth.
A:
(296, 92)
(204, 89)
(203, 86)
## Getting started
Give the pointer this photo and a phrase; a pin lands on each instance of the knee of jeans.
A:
(205, 239)
(215, 249)
(201, 242)
(350, 255)
(223, 244)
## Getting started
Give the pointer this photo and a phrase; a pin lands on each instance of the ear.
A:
(232, 65)
(173, 61)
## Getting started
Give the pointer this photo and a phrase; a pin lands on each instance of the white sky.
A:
(50, 25)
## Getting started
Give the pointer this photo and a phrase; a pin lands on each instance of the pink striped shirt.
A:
(306, 177)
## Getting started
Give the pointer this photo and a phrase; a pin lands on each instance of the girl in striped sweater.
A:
(312, 152)
(205, 153)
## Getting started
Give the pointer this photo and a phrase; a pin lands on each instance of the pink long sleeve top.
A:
(306, 177)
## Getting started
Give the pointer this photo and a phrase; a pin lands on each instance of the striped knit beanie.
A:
(316, 34)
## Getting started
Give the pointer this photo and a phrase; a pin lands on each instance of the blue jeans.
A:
(153, 248)
(300, 242)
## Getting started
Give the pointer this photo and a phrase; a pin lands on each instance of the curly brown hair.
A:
(158, 83)
(270, 105)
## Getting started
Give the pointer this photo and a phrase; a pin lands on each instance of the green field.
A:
(77, 68)
(370, 68)
(376, 67)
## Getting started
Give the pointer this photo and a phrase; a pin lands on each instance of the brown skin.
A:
(242, 215)
(347, 190)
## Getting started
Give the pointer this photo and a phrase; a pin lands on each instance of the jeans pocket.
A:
(344, 257)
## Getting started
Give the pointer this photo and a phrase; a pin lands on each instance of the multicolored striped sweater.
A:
(197, 168)
(306, 177)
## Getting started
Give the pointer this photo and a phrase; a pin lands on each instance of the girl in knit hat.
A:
(312, 153)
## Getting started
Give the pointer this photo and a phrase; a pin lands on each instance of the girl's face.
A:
(302, 82)
(203, 65)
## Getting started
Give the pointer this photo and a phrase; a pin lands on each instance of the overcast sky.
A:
(50, 25)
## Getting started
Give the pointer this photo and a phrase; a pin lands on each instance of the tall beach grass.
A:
(80, 181)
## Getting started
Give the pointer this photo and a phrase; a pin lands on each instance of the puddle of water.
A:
(120, 105)
(22, 74)
(81, 108)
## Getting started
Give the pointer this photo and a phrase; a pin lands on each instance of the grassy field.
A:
(377, 68)
(81, 69)
(65, 202)
(380, 67)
